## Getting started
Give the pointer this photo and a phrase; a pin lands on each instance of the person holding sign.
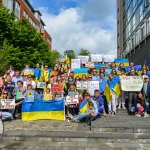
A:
(47, 95)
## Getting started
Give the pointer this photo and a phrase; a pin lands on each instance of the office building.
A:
(133, 30)
(23, 9)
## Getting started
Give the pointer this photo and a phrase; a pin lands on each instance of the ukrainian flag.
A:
(80, 71)
(110, 86)
(66, 59)
(43, 110)
(83, 106)
(122, 60)
(42, 69)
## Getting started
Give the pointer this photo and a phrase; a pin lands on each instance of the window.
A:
(17, 10)
(141, 11)
(148, 26)
(8, 4)
(137, 37)
(25, 14)
(143, 32)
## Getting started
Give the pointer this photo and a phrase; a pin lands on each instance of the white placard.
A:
(72, 99)
(41, 85)
(89, 64)
(7, 103)
(109, 58)
(83, 59)
(75, 63)
(82, 85)
(96, 58)
(93, 85)
(131, 83)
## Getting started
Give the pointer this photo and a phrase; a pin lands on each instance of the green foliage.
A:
(84, 52)
(71, 54)
(21, 44)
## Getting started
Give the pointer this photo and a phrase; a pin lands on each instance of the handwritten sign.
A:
(29, 96)
(82, 85)
(29, 71)
(96, 58)
(89, 64)
(75, 63)
(109, 58)
(131, 83)
(57, 88)
(92, 86)
(41, 85)
(83, 59)
(72, 99)
(7, 103)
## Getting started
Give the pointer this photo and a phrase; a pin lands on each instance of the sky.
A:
(76, 24)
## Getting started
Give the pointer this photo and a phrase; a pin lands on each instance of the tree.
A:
(21, 44)
(84, 52)
(71, 54)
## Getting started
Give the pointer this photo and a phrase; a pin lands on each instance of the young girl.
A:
(47, 95)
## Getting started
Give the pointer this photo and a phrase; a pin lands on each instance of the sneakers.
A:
(123, 107)
(119, 107)
(113, 113)
(146, 115)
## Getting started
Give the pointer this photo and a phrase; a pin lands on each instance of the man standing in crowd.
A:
(17, 78)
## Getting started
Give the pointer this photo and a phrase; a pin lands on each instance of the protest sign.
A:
(89, 64)
(131, 83)
(19, 94)
(57, 88)
(28, 71)
(96, 58)
(75, 63)
(29, 96)
(41, 85)
(72, 99)
(93, 85)
(82, 85)
(109, 58)
(7, 103)
(83, 59)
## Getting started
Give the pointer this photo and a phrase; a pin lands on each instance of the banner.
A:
(72, 99)
(82, 85)
(96, 58)
(41, 85)
(131, 83)
(93, 85)
(57, 88)
(89, 64)
(83, 59)
(29, 97)
(125, 61)
(7, 103)
(75, 63)
(29, 71)
(42, 110)
(109, 58)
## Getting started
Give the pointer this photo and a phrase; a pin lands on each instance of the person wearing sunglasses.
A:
(95, 76)
(29, 81)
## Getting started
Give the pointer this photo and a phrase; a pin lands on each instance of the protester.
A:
(17, 78)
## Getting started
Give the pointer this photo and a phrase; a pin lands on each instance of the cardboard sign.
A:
(75, 63)
(89, 64)
(96, 58)
(83, 59)
(82, 85)
(93, 85)
(41, 85)
(7, 103)
(29, 96)
(109, 58)
(72, 99)
(29, 71)
(131, 83)
(57, 88)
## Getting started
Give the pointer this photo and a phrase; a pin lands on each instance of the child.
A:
(47, 95)
(58, 96)
(72, 107)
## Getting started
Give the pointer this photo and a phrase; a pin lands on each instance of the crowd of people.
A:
(136, 103)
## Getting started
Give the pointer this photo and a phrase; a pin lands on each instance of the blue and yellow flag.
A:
(110, 87)
(83, 106)
(145, 65)
(80, 71)
(66, 59)
(125, 61)
(43, 110)
(42, 69)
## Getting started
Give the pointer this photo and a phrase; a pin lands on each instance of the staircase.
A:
(120, 132)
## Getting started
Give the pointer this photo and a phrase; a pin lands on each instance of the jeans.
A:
(7, 116)
(132, 97)
(112, 103)
(82, 116)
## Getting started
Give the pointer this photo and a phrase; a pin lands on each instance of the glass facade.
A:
(17, 10)
(136, 23)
